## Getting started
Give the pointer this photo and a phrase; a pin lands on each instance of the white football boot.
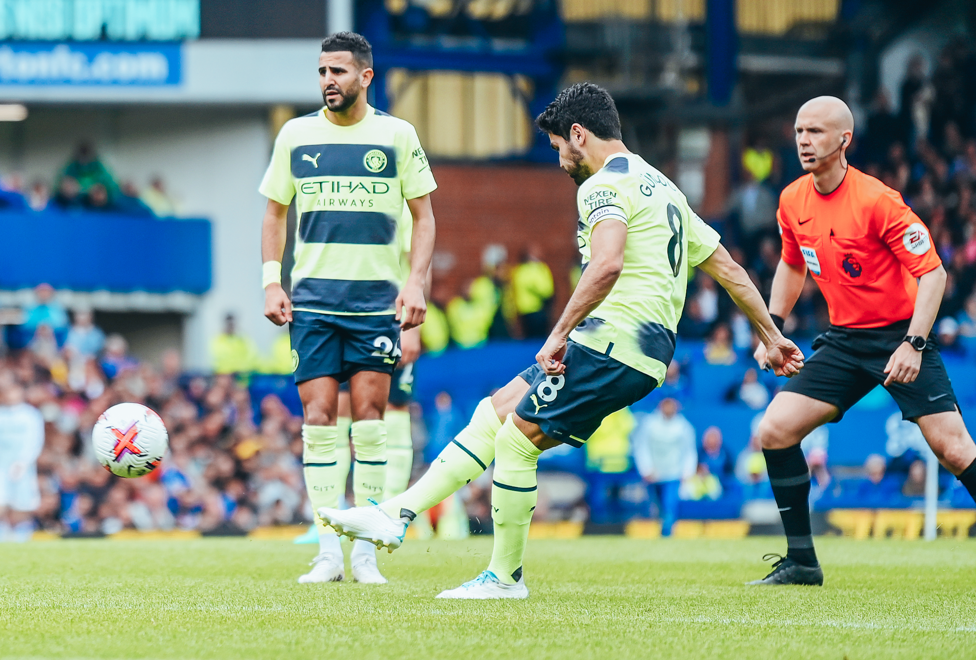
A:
(363, 560)
(487, 587)
(326, 567)
(368, 523)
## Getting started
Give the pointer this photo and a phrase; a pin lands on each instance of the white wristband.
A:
(270, 273)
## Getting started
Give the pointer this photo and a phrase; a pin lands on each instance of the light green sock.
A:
(343, 454)
(319, 459)
(464, 459)
(369, 469)
(514, 492)
(399, 452)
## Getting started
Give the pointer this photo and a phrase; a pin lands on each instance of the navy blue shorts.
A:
(340, 346)
(571, 406)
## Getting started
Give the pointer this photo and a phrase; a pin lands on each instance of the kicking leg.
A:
(789, 419)
(514, 493)
(461, 461)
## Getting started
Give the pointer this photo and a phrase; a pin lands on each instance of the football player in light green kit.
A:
(610, 348)
(350, 169)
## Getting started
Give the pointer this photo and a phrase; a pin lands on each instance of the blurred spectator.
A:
(128, 202)
(88, 171)
(750, 466)
(232, 353)
(752, 392)
(39, 195)
(675, 384)
(435, 333)
(707, 298)
(280, 360)
(714, 455)
(607, 467)
(46, 310)
(875, 488)
(702, 485)
(665, 453)
(116, 360)
(495, 268)
(753, 210)
(158, 199)
(84, 337)
(469, 318)
(914, 485)
(757, 161)
(445, 422)
(21, 441)
(97, 198)
(12, 200)
(948, 334)
(820, 478)
(532, 289)
(68, 194)
(718, 348)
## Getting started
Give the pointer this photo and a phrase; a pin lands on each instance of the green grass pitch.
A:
(595, 597)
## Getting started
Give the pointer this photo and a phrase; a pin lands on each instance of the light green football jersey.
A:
(350, 184)
(636, 322)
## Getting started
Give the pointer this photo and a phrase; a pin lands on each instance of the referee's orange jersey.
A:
(862, 244)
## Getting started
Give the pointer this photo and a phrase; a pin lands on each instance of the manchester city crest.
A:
(375, 161)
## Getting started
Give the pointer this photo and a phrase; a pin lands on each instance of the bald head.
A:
(824, 129)
(830, 110)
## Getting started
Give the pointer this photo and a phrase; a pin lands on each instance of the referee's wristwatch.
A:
(917, 341)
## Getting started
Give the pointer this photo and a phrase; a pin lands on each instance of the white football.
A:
(129, 440)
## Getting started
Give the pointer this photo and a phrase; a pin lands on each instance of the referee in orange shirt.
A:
(883, 281)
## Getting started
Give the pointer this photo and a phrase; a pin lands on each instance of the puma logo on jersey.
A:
(313, 161)
(538, 406)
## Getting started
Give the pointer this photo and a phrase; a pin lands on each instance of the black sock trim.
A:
(333, 463)
(370, 462)
(408, 514)
(517, 575)
(968, 473)
(516, 488)
(471, 454)
(790, 481)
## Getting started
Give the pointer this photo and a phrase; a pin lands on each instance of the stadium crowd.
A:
(86, 183)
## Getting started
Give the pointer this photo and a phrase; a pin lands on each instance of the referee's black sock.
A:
(968, 479)
(790, 478)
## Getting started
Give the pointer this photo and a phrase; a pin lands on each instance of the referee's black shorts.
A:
(847, 363)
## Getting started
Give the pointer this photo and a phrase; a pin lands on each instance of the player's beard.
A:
(579, 171)
(345, 101)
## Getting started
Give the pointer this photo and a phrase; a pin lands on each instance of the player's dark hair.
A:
(351, 42)
(585, 104)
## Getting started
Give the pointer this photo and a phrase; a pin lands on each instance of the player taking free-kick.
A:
(883, 281)
(611, 346)
(350, 169)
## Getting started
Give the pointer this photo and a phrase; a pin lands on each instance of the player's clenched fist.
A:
(550, 358)
(782, 355)
(277, 306)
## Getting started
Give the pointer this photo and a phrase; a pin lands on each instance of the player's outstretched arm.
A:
(277, 306)
(607, 242)
(410, 304)
(783, 355)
